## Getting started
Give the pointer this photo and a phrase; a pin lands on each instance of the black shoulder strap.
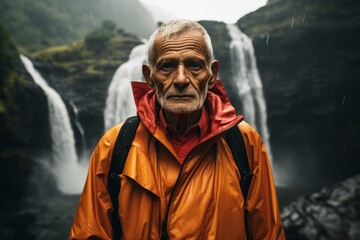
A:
(120, 152)
(236, 143)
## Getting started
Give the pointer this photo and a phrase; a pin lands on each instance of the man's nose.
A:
(181, 79)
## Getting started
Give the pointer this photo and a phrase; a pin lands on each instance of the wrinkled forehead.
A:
(188, 41)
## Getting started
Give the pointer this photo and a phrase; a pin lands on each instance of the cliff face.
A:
(307, 54)
(221, 41)
(24, 127)
(22, 103)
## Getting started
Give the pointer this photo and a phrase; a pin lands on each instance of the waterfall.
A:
(247, 79)
(79, 127)
(68, 172)
(120, 103)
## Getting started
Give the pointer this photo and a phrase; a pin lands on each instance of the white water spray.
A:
(69, 174)
(120, 103)
(246, 76)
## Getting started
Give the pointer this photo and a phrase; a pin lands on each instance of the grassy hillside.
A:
(43, 23)
(80, 63)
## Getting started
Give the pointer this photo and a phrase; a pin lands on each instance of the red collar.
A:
(201, 127)
(185, 143)
(221, 114)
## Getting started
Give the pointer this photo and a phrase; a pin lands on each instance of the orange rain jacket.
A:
(206, 201)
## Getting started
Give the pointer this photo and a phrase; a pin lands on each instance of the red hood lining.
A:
(222, 114)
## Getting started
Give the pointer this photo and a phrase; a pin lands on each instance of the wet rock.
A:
(332, 213)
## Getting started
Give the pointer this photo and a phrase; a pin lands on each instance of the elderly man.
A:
(180, 180)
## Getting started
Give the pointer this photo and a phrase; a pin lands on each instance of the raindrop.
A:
(91, 14)
(343, 101)
(267, 39)
(292, 22)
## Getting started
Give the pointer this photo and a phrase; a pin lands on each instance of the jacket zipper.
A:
(164, 233)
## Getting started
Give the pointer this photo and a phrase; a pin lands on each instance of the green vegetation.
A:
(41, 24)
(99, 39)
(96, 57)
(9, 63)
(9, 57)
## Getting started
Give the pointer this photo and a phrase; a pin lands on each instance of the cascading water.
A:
(68, 172)
(246, 76)
(120, 103)
(79, 127)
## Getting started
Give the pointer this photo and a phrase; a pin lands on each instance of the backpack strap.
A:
(120, 152)
(237, 145)
(238, 149)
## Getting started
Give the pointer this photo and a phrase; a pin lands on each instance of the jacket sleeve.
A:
(92, 216)
(264, 221)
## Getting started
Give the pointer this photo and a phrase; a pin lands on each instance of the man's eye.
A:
(195, 65)
(166, 66)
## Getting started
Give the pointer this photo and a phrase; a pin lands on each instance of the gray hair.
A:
(175, 28)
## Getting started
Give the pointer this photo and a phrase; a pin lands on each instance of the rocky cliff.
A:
(24, 128)
(307, 54)
(22, 103)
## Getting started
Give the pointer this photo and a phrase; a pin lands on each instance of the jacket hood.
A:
(221, 113)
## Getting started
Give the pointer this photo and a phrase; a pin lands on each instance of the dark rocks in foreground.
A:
(332, 213)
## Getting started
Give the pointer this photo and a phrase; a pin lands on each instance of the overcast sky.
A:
(228, 11)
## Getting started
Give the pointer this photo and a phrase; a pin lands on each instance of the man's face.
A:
(181, 73)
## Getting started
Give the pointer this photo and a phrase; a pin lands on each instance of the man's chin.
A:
(182, 109)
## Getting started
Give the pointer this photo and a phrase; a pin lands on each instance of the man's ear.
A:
(146, 71)
(214, 70)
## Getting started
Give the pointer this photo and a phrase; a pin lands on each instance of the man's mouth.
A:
(180, 96)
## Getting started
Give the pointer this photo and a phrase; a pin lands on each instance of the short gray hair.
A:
(175, 28)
